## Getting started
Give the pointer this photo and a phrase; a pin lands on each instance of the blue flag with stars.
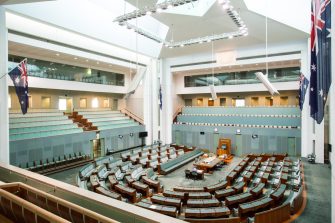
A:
(304, 82)
(320, 79)
(19, 76)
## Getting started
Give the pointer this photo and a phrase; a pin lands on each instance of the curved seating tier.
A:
(37, 125)
(43, 206)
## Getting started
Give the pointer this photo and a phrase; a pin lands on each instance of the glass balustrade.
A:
(242, 77)
(52, 70)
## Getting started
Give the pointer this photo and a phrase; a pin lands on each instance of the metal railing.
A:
(132, 115)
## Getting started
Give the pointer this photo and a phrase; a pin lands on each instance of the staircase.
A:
(81, 122)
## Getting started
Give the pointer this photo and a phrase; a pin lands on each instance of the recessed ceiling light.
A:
(208, 40)
(75, 58)
(230, 37)
(182, 45)
(57, 54)
(169, 6)
(159, 10)
(97, 62)
(86, 60)
(148, 13)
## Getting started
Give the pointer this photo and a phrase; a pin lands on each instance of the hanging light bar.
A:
(231, 12)
(153, 9)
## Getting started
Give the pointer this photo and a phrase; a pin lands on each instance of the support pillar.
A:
(4, 126)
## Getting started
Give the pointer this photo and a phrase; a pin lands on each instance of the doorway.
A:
(199, 101)
(115, 104)
(178, 137)
(269, 101)
(96, 147)
(65, 104)
(238, 144)
(216, 138)
(210, 102)
(291, 146)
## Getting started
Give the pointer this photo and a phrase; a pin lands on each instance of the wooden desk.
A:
(207, 212)
(254, 206)
(155, 184)
(239, 187)
(215, 187)
(176, 202)
(238, 198)
(199, 195)
(198, 203)
(247, 176)
(108, 193)
(265, 177)
(94, 181)
(174, 194)
(278, 194)
(127, 191)
(189, 189)
(142, 188)
(168, 210)
(256, 191)
(231, 177)
(221, 194)
(207, 164)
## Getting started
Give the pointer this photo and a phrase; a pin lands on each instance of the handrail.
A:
(179, 110)
(132, 115)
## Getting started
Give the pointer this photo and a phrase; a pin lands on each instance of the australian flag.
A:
(320, 80)
(19, 76)
(304, 82)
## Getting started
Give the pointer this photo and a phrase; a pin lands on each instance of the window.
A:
(284, 101)
(95, 103)
(210, 102)
(239, 102)
(106, 103)
(199, 102)
(83, 103)
(46, 102)
(223, 102)
(269, 101)
(254, 101)
(62, 104)
(188, 102)
(9, 102)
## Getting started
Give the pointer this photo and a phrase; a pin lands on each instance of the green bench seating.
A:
(32, 135)
(118, 126)
(41, 128)
(33, 124)
(107, 119)
(126, 121)
(35, 114)
(179, 161)
(37, 119)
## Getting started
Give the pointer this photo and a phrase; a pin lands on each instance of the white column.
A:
(155, 98)
(167, 110)
(4, 132)
(147, 104)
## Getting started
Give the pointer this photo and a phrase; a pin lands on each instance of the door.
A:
(178, 137)
(210, 102)
(216, 138)
(115, 104)
(239, 145)
(291, 146)
(96, 148)
(69, 104)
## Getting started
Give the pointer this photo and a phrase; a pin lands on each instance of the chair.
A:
(188, 174)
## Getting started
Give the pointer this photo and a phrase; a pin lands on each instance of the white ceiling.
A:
(216, 21)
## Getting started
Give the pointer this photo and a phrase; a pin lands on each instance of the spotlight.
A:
(209, 40)
(230, 37)
(159, 10)
(225, 6)
(170, 6)
(148, 13)
(182, 45)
